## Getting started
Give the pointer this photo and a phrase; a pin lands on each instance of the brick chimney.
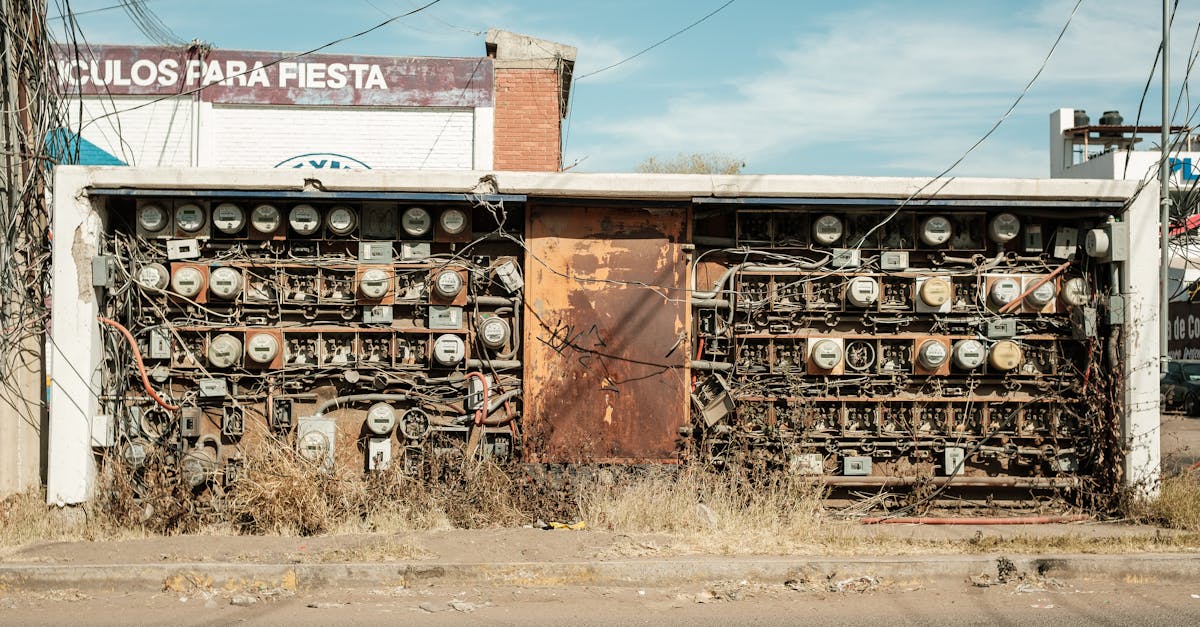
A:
(533, 82)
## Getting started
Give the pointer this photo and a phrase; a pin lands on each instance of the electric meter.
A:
(152, 218)
(826, 354)
(1004, 228)
(1075, 292)
(453, 221)
(229, 218)
(448, 284)
(935, 291)
(224, 350)
(494, 332)
(1043, 295)
(374, 283)
(968, 354)
(304, 219)
(1005, 355)
(314, 446)
(265, 219)
(381, 418)
(225, 282)
(862, 291)
(1097, 243)
(154, 275)
(416, 221)
(827, 230)
(448, 349)
(1004, 291)
(341, 220)
(187, 281)
(262, 348)
(932, 354)
(935, 231)
(189, 217)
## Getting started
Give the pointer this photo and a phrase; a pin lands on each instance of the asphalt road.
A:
(861, 602)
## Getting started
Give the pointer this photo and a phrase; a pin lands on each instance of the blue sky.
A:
(898, 87)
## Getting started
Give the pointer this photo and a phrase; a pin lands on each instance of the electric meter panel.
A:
(860, 338)
(262, 309)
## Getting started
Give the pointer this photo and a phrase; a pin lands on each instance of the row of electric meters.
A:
(230, 220)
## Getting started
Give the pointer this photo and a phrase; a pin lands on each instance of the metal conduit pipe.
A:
(710, 302)
(356, 398)
(711, 366)
(494, 364)
(492, 301)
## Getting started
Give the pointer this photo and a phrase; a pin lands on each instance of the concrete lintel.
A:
(516, 51)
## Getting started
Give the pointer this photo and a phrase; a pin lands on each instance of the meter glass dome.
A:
(304, 219)
(416, 221)
(152, 217)
(189, 218)
(229, 218)
(265, 219)
(453, 221)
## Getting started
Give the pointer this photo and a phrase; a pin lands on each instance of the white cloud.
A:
(908, 91)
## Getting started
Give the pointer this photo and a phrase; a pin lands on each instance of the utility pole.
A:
(23, 247)
(1164, 180)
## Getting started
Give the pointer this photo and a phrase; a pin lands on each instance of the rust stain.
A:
(604, 372)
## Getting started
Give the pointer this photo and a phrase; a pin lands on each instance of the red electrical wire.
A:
(1023, 520)
(137, 355)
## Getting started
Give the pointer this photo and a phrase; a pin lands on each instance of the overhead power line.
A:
(659, 42)
(275, 62)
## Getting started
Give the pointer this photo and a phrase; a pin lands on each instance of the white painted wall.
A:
(156, 134)
(184, 132)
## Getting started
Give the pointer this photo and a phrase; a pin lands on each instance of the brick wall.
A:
(527, 125)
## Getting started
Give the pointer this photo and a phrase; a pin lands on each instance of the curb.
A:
(237, 575)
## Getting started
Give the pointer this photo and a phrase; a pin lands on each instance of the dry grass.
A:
(722, 513)
(280, 492)
(1177, 505)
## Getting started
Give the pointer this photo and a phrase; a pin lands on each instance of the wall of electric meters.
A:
(366, 333)
(869, 344)
(889, 346)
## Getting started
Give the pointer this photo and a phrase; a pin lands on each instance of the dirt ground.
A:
(858, 602)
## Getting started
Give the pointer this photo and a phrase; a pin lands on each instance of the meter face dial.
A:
(969, 354)
(187, 281)
(932, 354)
(1043, 295)
(229, 218)
(304, 219)
(494, 332)
(1004, 228)
(374, 283)
(225, 282)
(265, 219)
(262, 348)
(152, 218)
(826, 354)
(341, 220)
(935, 292)
(189, 218)
(936, 230)
(1004, 291)
(153, 275)
(827, 230)
(448, 283)
(416, 222)
(453, 221)
(381, 418)
(448, 349)
(224, 350)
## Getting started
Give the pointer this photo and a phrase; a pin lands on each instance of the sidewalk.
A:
(533, 557)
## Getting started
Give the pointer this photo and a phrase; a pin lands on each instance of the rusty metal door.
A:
(605, 334)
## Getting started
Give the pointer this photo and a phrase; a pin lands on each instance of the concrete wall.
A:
(78, 226)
